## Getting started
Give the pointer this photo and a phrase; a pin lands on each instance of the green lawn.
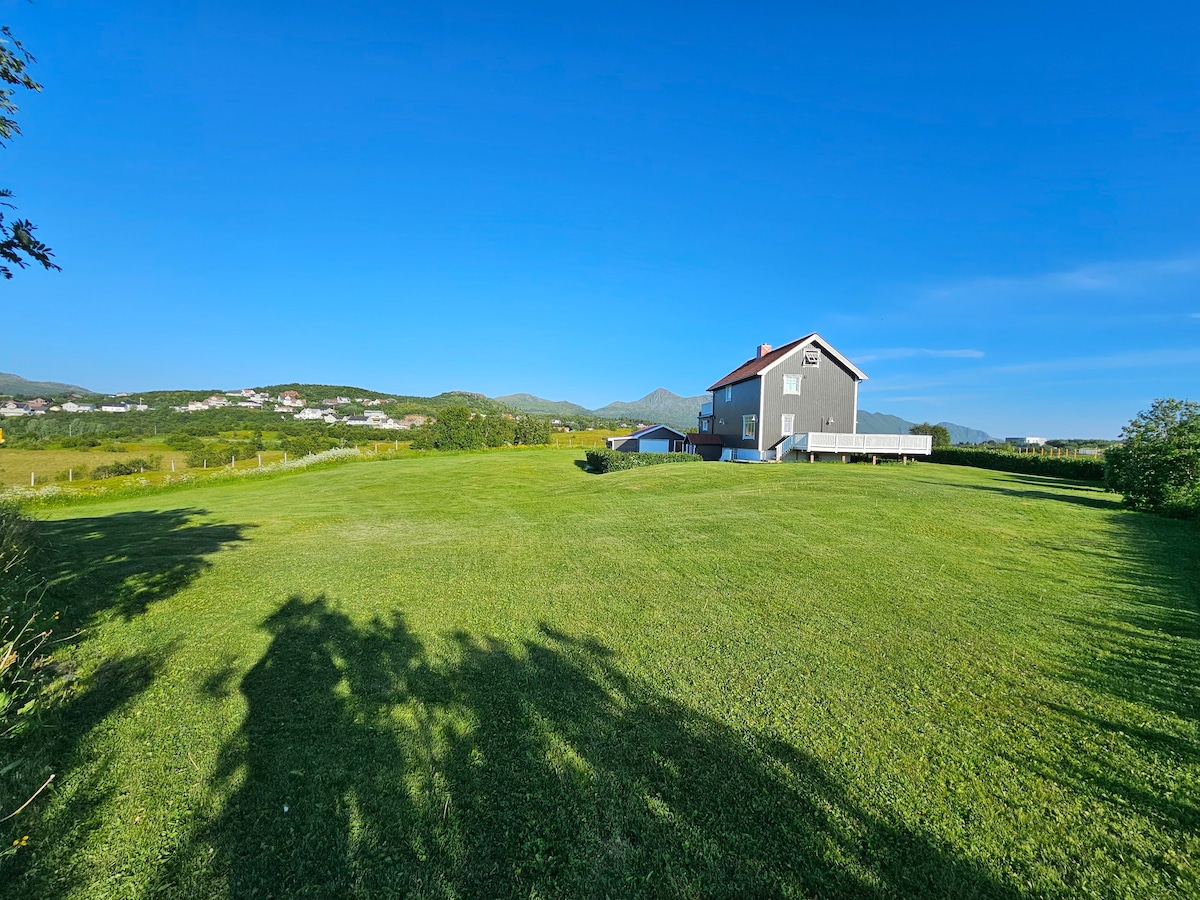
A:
(496, 675)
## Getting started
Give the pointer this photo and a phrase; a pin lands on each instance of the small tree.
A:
(1156, 467)
(16, 237)
(939, 433)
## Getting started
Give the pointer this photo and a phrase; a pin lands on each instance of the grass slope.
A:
(495, 675)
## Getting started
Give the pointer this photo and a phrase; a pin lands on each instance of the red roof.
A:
(754, 367)
(695, 438)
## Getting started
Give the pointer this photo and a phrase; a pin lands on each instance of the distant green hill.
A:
(882, 423)
(659, 406)
(542, 407)
(21, 387)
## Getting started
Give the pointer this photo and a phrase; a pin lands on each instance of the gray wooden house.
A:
(799, 401)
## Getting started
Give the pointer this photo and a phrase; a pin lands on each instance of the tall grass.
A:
(25, 666)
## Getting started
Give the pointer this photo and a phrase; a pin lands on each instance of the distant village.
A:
(288, 402)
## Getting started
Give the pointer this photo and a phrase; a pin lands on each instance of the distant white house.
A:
(12, 409)
(72, 407)
(1026, 441)
(310, 414)
(110, 407)
(374, 420)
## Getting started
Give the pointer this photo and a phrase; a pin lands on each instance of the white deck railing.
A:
(837, 442)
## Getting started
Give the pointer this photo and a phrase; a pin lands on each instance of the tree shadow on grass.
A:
(59, 747)
(1051, 481)
(1138, 660)
(1093, 498)
(364, 768)
(96, 567)
(124, 562)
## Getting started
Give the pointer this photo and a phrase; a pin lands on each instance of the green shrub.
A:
(127, 467)
(304, 444)
(1080, 468)
(458, 428)
(1157, 467)
(185, 442)
(606, 460)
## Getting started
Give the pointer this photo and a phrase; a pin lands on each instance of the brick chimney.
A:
(763, 350)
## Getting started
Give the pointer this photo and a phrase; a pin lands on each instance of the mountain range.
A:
(663, 406)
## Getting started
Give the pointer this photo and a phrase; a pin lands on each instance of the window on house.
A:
(789, 424)
(728, 392)
(704, 424)
(812, 356)
(791, 384)
(749, 424)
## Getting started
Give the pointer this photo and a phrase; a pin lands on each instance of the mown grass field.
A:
(496, 675)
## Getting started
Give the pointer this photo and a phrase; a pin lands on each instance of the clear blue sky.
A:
(993, 209)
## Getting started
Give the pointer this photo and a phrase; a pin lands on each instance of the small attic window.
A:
(812, 356)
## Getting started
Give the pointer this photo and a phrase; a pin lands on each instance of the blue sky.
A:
(995, 212)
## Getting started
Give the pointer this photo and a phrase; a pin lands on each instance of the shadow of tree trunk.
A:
(361, 769)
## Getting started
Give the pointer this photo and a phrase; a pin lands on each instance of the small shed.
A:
(651, 439)
(705, 445)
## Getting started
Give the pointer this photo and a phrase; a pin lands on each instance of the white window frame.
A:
(785, 384)
(788, 423)
(816, 355)
(750, 427)
(728, 392)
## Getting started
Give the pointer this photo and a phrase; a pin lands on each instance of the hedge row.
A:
(614, 460)
(1080, 468)
(127, 467)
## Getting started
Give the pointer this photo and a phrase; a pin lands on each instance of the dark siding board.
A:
(744, 402)
(660, 434)
(826, 391)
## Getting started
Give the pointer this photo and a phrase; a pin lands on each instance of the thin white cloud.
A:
(1129, 277)
(873, 387)
(910, 352)
(1134, 359)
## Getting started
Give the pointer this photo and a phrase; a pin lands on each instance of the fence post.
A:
(70, 474)
(31, 479)
(260, 460)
